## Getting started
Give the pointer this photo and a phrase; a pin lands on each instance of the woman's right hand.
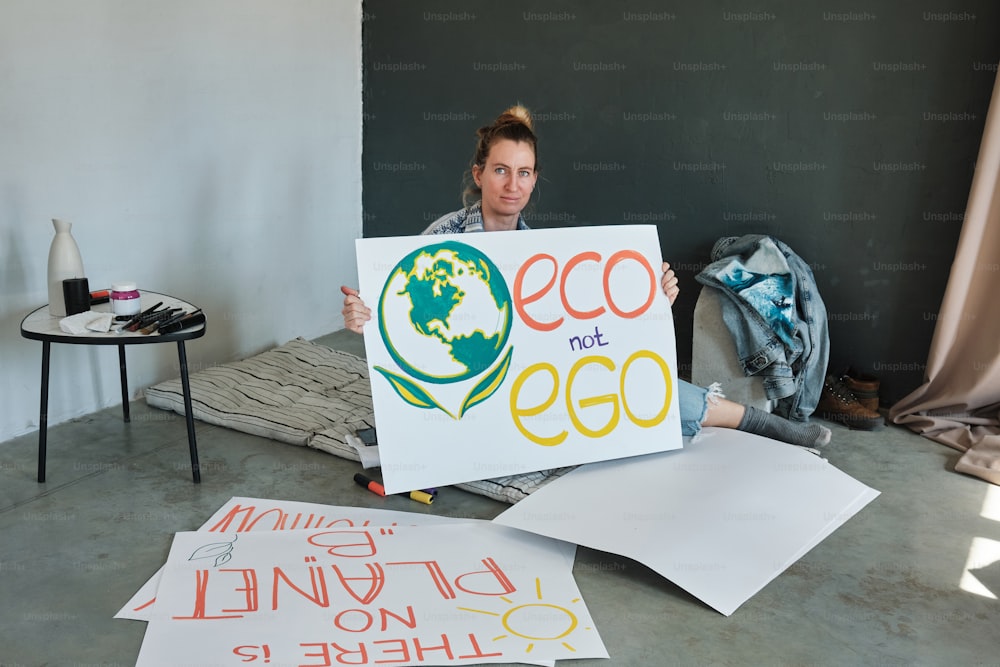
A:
(355, 312)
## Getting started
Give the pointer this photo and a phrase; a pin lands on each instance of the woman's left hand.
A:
(669, 283)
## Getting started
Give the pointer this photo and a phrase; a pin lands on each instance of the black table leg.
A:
(43, 412)
(186, 388)
(124, 374)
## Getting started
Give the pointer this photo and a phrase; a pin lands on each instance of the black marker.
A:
(138, 318)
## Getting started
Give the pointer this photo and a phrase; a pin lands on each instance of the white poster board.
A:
(455, 593)
(720, 519)
(240, 514)
(499, 353)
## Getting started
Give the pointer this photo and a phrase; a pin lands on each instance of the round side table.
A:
(41, 326)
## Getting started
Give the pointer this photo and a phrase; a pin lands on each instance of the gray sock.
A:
(778, 428)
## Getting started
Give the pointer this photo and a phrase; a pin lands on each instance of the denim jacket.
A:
(776, 317)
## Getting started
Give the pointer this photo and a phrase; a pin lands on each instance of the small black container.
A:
(76, 293)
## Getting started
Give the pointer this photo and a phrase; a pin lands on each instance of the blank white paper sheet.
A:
(720, 518)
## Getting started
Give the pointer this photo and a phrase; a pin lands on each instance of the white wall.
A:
(209, 149)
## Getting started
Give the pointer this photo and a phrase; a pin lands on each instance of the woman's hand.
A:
(669, 283)
(355, 312)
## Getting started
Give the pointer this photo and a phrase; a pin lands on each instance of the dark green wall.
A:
(847, 130)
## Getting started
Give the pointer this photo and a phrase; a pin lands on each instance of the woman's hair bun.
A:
(518, 113)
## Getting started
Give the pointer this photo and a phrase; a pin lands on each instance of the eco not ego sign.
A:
(551, 272)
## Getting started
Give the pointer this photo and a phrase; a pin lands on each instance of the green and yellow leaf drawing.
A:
(488, 384)
(411, 392)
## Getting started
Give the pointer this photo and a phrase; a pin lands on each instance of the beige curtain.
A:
(959, 403)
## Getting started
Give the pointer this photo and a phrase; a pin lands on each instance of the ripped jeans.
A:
(693, 403)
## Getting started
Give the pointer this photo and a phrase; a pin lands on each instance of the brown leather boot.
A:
(838, 404)
(864, 387)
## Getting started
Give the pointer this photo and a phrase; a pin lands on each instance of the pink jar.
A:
(125, 299)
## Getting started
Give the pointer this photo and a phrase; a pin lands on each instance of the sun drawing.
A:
(526, 620)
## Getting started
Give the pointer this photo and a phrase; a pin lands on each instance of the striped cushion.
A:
(302, 393)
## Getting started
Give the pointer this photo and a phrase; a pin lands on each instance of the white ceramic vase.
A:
(64, 262)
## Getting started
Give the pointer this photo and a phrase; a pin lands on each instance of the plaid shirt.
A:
(469, 219)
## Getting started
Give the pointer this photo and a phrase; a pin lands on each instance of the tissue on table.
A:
(90, 320)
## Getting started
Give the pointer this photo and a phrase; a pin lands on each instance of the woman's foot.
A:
(803, 434)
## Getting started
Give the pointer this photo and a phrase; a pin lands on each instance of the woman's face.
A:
(507, 179)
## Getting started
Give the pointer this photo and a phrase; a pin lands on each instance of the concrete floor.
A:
(885, 589)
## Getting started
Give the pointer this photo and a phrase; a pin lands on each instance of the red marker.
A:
(378, 489)
(369, 484)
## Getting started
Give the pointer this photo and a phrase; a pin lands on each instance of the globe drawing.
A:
(445, 313)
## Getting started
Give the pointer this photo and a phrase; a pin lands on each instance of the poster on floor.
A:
(720, 519)
(450, 593)
(240, 514)
(509, 352)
